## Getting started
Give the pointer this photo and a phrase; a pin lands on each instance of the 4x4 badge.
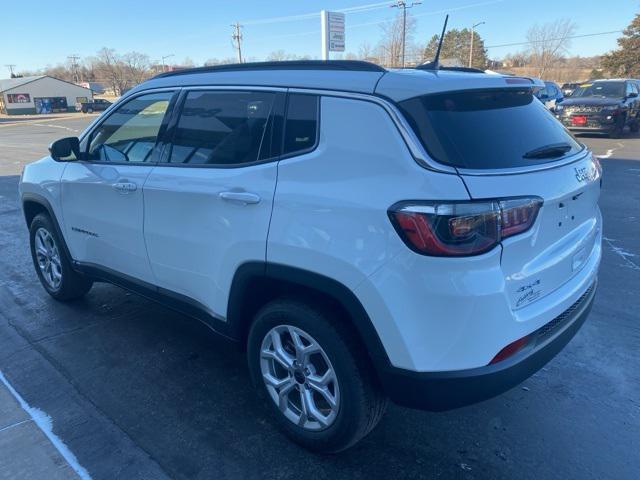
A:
(583, 173)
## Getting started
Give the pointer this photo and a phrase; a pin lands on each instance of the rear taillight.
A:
(462, 228)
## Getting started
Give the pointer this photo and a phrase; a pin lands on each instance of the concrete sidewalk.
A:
(26, 451)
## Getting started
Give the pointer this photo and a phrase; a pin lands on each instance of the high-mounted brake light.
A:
(462, 228)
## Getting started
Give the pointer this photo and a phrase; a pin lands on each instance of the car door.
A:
(102, 199)
(208, 202)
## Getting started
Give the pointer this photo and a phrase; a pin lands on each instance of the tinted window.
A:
(485, 129)
(611, 89)
(130, 133)
(629, 89)
(221, 128)
(301, 126)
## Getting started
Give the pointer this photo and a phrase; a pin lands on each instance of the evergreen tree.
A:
(456, 46)
(625, 61)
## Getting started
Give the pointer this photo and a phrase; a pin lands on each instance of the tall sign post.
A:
(333, 32)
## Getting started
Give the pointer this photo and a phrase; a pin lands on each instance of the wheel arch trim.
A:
(35, 198)
(250, 272)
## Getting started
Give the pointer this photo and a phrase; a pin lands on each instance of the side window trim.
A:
(305, 151)
(88, 136)
(276, 114)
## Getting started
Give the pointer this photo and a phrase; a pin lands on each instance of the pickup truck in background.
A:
(97, 105)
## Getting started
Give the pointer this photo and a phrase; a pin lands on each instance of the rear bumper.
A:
(595, 123)
(439, 391)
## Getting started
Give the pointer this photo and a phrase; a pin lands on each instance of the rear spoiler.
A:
(533, 81)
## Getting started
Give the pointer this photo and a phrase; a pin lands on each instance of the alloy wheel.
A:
(48, 258)
(299, 377)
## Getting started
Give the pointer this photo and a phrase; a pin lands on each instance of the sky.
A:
(37, 33)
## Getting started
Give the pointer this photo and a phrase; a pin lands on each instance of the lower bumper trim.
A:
(439, 391)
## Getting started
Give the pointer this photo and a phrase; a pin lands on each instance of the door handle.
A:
(125, 187)
(245, 198)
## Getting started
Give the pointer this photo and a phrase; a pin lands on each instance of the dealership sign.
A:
(333, 32)
(18, 98)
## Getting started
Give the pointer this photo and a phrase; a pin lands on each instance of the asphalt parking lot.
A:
(138, 391)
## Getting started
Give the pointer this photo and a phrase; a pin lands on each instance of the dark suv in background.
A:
(605, 106)
(568, 88)
(97, 105)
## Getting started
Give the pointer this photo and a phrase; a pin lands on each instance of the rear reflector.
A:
(509, 350)
(462, 228)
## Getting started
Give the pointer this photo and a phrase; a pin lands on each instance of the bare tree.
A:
(219, 61)
(137, 67)
(548, 43)
(280, 55)
(390, 46)
(111, 70)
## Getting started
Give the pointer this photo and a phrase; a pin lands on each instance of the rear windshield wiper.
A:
(548, 151)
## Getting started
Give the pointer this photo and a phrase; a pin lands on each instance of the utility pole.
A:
(403, 5)
(236, 38)
(471, 47)
(73, 59)
(11, 67)
(166, 56)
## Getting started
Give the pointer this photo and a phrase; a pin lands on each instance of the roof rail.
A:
(349, 65)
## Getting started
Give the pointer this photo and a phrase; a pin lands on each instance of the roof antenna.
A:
(435, 64)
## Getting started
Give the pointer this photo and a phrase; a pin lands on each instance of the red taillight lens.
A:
(509, 350)
(517, 215)
(464, 228)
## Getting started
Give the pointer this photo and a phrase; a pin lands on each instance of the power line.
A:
(236, 39)
(313, 15)
(351, 26)
(554, 39)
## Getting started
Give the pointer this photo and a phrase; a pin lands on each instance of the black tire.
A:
(635, 126)
(362, 403)
(618, 130)
(72, 285)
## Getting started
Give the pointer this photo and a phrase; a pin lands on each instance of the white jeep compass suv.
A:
(427, 235)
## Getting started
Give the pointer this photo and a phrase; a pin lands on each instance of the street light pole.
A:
(471, 48)
(166, 56)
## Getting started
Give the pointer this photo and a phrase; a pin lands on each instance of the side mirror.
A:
(632, 95)
(65, 147)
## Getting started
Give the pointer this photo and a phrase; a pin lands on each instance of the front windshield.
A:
(600, 89)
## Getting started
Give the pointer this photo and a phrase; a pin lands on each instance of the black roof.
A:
(349, 65)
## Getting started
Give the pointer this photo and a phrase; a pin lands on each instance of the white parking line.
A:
(54, 126)
(43, 421)
(611, 150)
(622, 253)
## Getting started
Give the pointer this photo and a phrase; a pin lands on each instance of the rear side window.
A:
(488, 129)
(301, 125)
(221, 128)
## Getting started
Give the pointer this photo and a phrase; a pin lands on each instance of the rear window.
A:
(488, 129)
